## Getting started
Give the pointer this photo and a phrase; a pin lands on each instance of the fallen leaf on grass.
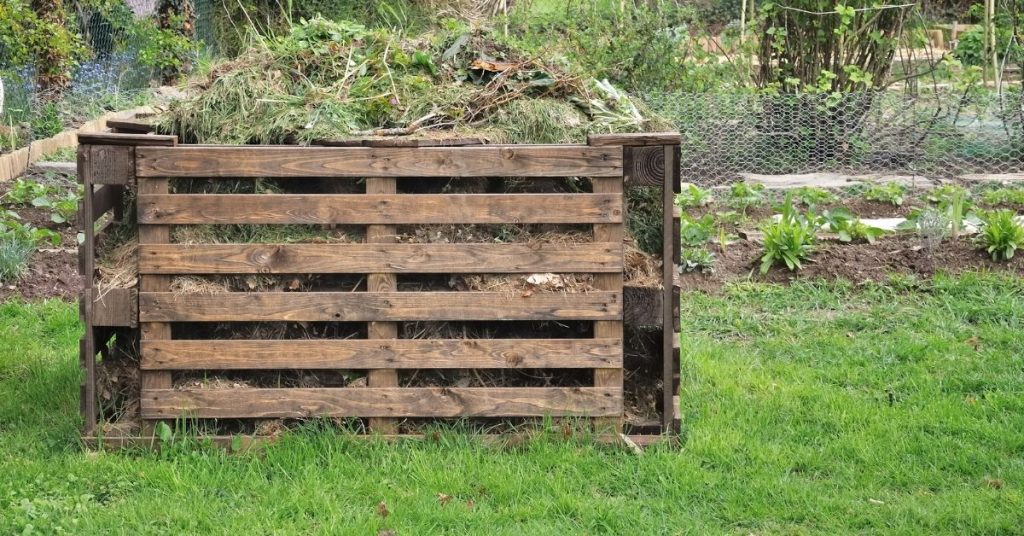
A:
(443, 498)
(382, 509)
(994, 483)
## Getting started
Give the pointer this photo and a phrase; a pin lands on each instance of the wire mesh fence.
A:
(943, 134)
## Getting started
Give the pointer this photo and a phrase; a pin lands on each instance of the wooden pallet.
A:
(110, 163)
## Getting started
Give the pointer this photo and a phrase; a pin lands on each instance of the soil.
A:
(52, 270)
(858, 263)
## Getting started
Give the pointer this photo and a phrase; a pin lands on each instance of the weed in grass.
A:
(892, 193)
(694, 196)
(14, 254)
(790, 240)
(1001, 234)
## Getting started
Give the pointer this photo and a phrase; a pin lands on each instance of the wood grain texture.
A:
(127, 139)
(376, 306)
(641, 138)
(609, 377)
(644, 166)
(641, 306)
(116, 307)
(380, 354)
(112, 164)
(371, 209)
(154, 234)
(667, 280)
(382, 258)
(284, 162)
(130, 126)
(381, 402)
(104, 199)
(382, 282)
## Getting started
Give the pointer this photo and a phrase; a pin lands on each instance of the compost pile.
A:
(328, 82)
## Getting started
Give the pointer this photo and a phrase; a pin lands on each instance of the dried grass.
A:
(117, 268)
(641, 269)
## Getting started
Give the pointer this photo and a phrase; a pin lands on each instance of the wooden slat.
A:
(135, 140)
(104, 199)
(112, 164)
(154, 234)
(642, 138)
(130, 126)
(382, 258)
(373, 306)
(382, 282)
(284, 162)
(116, 307)
(381, 402)
(369, 209)
(378, 354)
(609, 377)
(667, 280)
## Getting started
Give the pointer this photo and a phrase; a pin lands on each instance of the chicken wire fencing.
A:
(109, 75)
(727, 138)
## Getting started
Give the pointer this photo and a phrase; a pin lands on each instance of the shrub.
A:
(790, 240)
(1001, 234)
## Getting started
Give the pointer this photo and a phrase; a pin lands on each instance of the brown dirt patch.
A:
(858, 263)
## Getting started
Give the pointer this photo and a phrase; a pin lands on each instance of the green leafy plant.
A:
(63, 209)
(11, 226)
(694, 196)
(743, 196)
(790, 240)
(23, 191)
(955, 201)
(849, 227)
(891, 193)
(697, 260)
(696, 232)
(1003, 196)
(46, 121)
(813, 196)
(1001, 234)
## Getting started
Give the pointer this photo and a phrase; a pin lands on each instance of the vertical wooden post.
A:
(382, 234)
(670, 256)
(154, 234)
(87, 346)
(608, 232)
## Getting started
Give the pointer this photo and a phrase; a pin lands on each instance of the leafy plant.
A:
(11, 226)
(23, 191)
(1003, 196)
(697, 260)
(743, 195)
(63, 209)
(849, 227)
(1001, 234)
(696, 232)
(790, 240)
(813, 196)
(46, 121)
(891, 193)
(694, 196)
(955, 201)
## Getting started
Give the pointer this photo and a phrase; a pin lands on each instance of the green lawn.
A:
(811, 409)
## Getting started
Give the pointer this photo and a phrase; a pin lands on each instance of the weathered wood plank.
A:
(381, 402)
(131, 126)
(284, 162)
(381, 258)
(641, 306)
(105, 138)
(380, 354)
(154, 234)
(644, 166)
(370, 209)
(382, 282)
(116, 307)
(641, 138)
(374, 306)
(668, 277)
(104, 199)
(609, 377)
(112, 164)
